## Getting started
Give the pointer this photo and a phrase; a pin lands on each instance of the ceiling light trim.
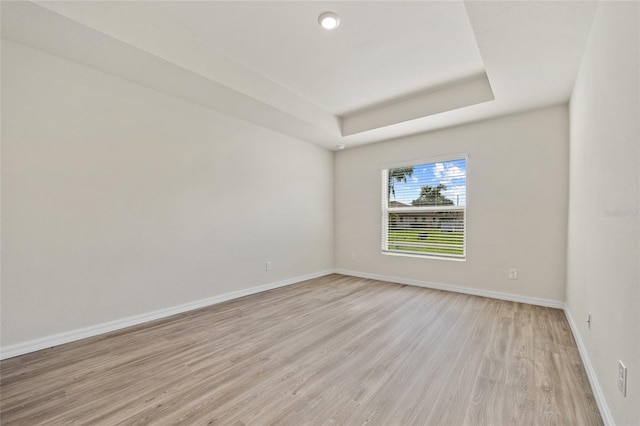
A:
(329, 20)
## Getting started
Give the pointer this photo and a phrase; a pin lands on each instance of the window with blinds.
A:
(424, 208)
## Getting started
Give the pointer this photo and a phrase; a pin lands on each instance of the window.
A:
(424, 208)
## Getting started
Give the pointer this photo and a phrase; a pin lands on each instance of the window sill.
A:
(424, 256)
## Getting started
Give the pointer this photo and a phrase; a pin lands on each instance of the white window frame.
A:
(386, 210)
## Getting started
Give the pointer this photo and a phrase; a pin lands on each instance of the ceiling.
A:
(391, 69)
(382, 50)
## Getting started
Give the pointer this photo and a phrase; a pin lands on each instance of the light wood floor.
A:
(334, 350)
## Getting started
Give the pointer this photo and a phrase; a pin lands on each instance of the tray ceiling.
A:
(391, 69)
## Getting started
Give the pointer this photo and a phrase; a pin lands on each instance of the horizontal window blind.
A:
(424, 209)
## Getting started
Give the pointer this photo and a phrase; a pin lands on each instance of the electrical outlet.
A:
(513, 273)
(352, 257)
(267, 265)
(622, 378)
(589, 320)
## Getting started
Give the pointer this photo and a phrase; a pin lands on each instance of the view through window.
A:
(424, 208)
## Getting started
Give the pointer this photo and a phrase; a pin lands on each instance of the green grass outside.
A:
(455, 241)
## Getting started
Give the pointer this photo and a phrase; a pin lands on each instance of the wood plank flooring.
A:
(334, 350)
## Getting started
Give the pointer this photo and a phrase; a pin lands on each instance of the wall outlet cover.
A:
(622, 378)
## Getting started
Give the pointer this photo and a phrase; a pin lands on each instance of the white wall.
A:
(516, 213)
(603, 275)
(118, 200)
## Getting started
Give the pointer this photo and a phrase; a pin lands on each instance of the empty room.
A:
(308, 213)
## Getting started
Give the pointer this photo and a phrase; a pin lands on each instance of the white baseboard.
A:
(83, 333)
(457, 289)
(607, 418)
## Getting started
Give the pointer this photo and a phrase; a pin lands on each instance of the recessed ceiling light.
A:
(340, 147)
(329, 20)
